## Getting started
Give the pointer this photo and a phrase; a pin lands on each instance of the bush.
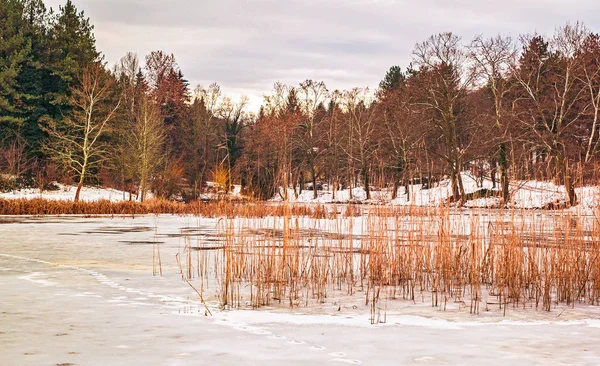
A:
(7, 183)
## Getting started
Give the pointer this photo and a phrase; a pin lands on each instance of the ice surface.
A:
(81, 291)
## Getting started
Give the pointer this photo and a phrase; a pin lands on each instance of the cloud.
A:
(246, 46)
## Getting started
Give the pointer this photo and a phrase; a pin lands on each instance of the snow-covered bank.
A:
(67, 193)
(92, 194)
(524, 195)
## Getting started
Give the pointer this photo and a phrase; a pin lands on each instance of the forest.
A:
(502, 108)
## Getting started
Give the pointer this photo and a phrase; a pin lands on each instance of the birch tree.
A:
(147, 141)
(76, 142)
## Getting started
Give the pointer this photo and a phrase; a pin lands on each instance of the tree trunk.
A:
(350, 183)
(142, 192)
(454, 182)
(123, 185)
(334, 188)
(461, 187)
(567, 180)
(366, 178)
(504, 181)
(314, 181)
(494, 165)
(395, 188)
(79, 186)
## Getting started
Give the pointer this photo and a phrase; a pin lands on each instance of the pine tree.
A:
(393, 78)
(72, 48)
(14, 52)
(73, 43)
(35, 78)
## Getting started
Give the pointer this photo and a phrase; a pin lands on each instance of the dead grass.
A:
(520, 259)
(41, 207)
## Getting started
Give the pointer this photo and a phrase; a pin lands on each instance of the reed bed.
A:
(39, 207)
(479, 259)
(298, 255)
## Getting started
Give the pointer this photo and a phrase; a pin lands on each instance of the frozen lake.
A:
(81, 291)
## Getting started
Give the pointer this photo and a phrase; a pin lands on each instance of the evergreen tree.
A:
(73, 43)
(42, 55)
(72, 48)
(35, 77)
(393, 78)
(14, 52)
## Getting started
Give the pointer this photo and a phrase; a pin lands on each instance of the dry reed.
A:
(477, 259)
(40, 207)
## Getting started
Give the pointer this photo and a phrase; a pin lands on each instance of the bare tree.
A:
(553, 96)
(590, 76)
(361, 145)
(127, 72)
(283, 114)
(76, 142)
(403, 135)
(234, 117)
(493, 58)
(147, 141)
(14, 157)
(334, 140)
(202, 133)
(446, 77)
(312, 95)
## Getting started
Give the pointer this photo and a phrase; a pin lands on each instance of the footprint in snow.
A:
(260, 332)
(348, 361)
(425, 359)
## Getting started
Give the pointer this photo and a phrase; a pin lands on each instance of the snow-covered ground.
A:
(67, 193)
(81, 291)
(524, 195)
(90, 194)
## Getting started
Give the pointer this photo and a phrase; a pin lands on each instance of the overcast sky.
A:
(246, 46)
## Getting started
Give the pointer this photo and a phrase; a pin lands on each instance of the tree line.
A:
(501, 108)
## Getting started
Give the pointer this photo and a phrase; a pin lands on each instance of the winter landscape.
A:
(316, 206)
